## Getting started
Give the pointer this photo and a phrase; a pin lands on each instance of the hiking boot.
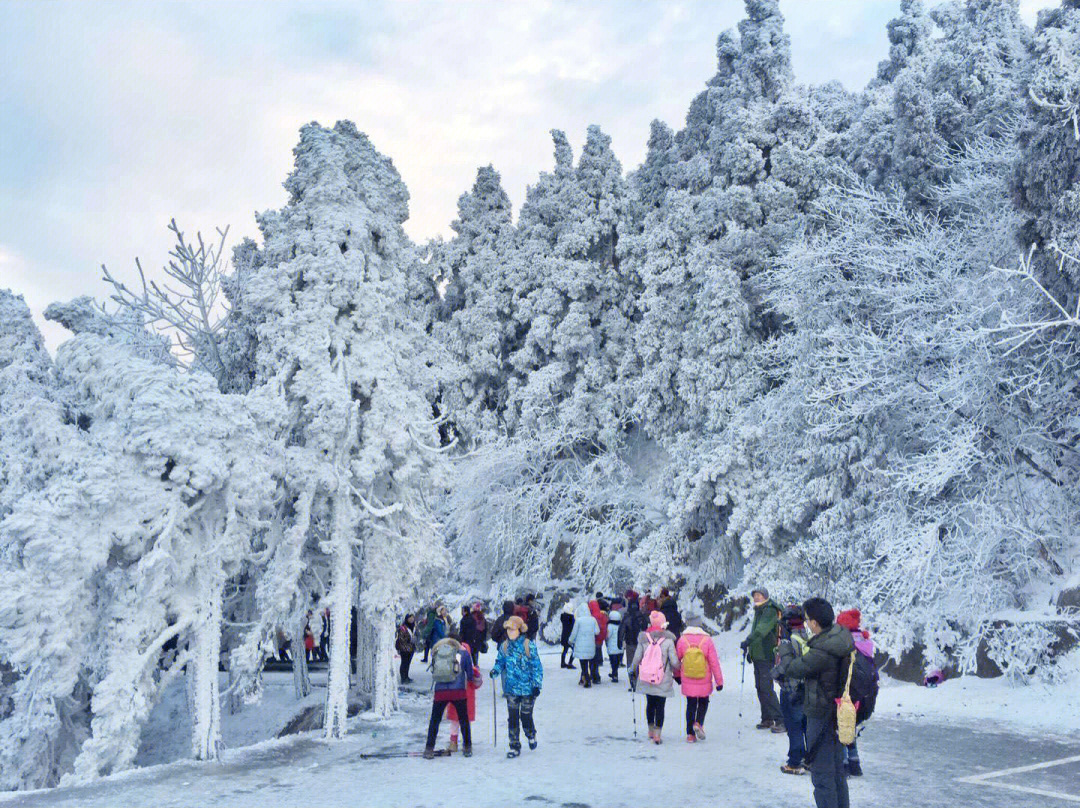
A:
(452, 746)
(532, 742)
(699, 731)
(778, 728)
(656, 737)
(429, 753)
(854, 769)
(514, 752)
(652, 733)
(766, 724)
(587, 683)
(467, 751)
(691, 738)
(786, 769)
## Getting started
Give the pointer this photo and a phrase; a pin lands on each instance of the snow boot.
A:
(429, 753)
(652, 733)
(854, 769)
(766, 723)
(656, 737)
(514, 752)
(699, 731)
(532, 742)
(467, 751)
(452, 746)
(778, 728)
(786, 769)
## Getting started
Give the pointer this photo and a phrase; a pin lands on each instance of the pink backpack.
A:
(652, 663)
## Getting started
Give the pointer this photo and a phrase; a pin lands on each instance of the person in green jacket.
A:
(760, 649)
(822, 668)
(426, 629)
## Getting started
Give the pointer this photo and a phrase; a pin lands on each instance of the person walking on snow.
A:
(760, 649)
(633, 623)
(793, 639)
(852, 621)
(670, 608)
(452, 670)
(532, 618)
(700, 670)
(427, 626)
(614, 648)
(656, 663)
(600, 615)
(405, 644)
(474, 629)
(583, 638)
(820, 668)
(518, 662)
(567, 618)
(470, 703)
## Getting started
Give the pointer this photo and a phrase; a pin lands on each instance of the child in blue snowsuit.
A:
(518, 662)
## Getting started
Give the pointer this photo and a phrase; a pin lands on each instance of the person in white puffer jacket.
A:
(614, 649)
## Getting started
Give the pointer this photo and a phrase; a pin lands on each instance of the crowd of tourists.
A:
(821, 662)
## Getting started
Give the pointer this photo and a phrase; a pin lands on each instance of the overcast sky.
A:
(115, 117)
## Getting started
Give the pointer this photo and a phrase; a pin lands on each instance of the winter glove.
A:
(536, 692)
(719, 688)
(777, 673)
(745, 644)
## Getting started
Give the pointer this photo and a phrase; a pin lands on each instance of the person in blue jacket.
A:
(518, 662)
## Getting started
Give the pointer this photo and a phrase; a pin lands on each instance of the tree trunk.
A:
(203, 682)
(301, 678)
(384, 692)
(341, 553)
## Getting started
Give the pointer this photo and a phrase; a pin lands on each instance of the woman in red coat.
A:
(601, 638)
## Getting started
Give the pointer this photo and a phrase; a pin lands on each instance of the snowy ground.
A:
(915, 752)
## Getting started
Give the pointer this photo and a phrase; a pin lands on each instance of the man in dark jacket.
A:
(631, 626)
(820, 668)
(498, 631)
(671, 611)
(532, 619)
(760, 648)
(567, 618)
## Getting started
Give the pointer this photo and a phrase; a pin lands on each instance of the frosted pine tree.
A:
(337, 348)
(475, 320)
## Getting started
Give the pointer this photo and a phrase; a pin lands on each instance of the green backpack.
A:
(445, 663)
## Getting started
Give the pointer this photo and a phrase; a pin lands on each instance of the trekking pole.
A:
(742, 690)
(633, 704)
(494, 719)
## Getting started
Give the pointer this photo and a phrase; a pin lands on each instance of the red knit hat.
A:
(631, 594)
(850, 619)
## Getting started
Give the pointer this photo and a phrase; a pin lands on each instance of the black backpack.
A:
(864, 686)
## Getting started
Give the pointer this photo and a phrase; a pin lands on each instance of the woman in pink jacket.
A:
(700, 669)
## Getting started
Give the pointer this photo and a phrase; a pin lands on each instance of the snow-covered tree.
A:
(1047, 173)
(337, 350)
(475, 319)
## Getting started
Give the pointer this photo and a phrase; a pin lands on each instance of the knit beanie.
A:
(849, 619)
(657, 620)
(631, 595)
(760, 591)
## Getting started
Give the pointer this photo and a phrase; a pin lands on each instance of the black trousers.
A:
(616, 660)
(594, 665)
(519, 708)
(406, 660)
(437, 710)
(631, 652)
(567, 649)
(763, 682)
(654, 710)
(696, 707)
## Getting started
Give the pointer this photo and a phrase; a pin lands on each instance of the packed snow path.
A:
(587, 757)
